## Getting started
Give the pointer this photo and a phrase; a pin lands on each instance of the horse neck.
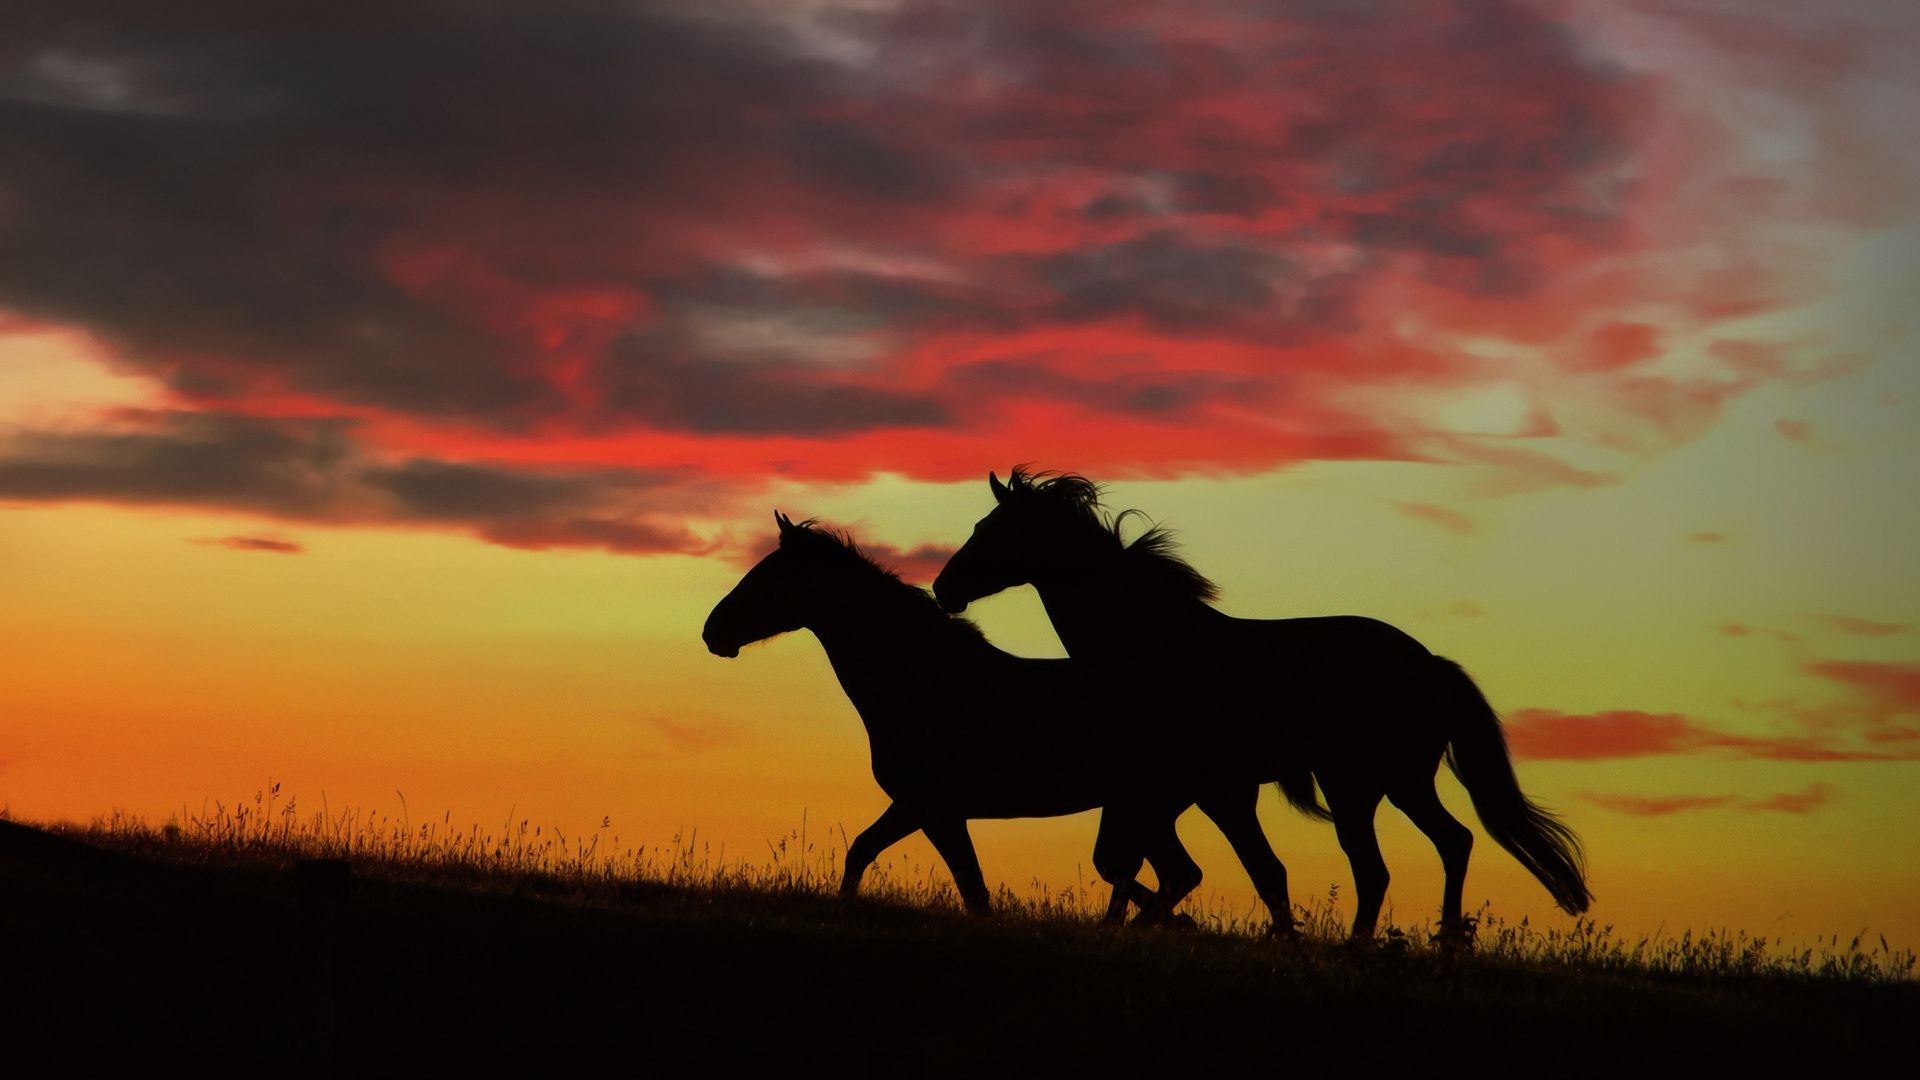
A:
(881, 646)
(1098, 612)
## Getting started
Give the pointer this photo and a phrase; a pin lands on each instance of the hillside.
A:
(127, 944)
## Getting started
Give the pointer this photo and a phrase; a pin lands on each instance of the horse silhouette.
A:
(1351, 702)
(957, 728)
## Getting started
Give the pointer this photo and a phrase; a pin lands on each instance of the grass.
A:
(275, 830)
(211, 934)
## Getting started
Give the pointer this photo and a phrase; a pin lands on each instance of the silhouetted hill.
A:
(232, 956)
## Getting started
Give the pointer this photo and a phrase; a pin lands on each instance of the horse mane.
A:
(1153, 557)
(838, 545)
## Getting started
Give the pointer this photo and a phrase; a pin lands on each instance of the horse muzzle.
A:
(718, 646)
(950, 601)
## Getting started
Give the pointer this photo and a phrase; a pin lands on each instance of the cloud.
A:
(1656, 805)
(1618, 345)
(1793, 430)
(646, 381)
(1620, 733)
(922, 563)
(1848, 624)
(693, 736)
(1741, 630)
(1883, 690)
(1707, 538)
(824, 242)
(1451, 520)
(307, 469)
(1549, 734)
(253, 543)
(1804, 801)
(285, 467)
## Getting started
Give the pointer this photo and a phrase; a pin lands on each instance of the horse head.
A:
(778, 595)
(1031, 531)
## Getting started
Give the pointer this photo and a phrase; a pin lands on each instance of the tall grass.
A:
(803, 863)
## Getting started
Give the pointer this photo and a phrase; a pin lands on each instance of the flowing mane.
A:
(837, 546)
(1153, 556)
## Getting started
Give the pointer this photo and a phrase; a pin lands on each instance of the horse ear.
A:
(999, 489)
(785, 522)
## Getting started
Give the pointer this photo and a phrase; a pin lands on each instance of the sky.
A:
(387, 393)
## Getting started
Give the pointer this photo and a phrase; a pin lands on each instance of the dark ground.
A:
(110, 958)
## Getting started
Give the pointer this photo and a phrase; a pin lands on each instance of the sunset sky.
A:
(388, 392)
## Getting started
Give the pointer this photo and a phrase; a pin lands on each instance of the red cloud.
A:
(1863, 627)
(1617, 345)
(920, 242)
(1451, 520)
(1628, 733)
(690, 736)
(1805, 801)
(1886, 689)
(918, 564)
(1549, 734)
(1707, 537)
(253, 543)
(1811, 798)
(1656, 805)
(1793, 430)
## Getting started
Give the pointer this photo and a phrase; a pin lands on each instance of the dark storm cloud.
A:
(443, 491)
(1239, 194)
(1169, 396)
(221, 180)
(590, 221)
(1167, 278)
(312, 470)
(282, 467)
(867, 164)
(654, 380)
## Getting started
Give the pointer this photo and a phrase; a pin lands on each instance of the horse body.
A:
(939, 732)
(957, 729)
(1352, 703)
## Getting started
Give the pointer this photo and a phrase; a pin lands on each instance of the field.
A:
(265, 936)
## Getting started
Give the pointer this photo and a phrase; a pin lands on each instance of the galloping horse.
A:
(957, 728)
(1351, 702)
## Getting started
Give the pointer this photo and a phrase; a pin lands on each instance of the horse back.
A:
(1329, 639)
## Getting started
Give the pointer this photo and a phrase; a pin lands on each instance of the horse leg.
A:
(1235, 813)
(892, 826)
(1179, 875)
(1117, 851)
(1353, 824)
(1453, 840)
(950, 839)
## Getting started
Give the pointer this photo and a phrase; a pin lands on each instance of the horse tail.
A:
(1477, 754)
(1300, 793)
